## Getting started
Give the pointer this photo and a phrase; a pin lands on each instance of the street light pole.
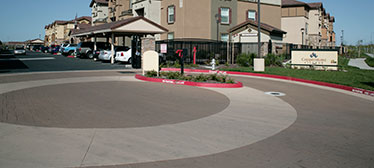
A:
(259, 62)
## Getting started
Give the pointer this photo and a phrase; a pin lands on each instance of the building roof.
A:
(103, 2)
(316, 5)
(293, 3)
(110, 27)
(264, 26)
(332, 19)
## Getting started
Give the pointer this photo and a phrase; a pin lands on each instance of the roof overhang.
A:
(130, 26)
(250, 24)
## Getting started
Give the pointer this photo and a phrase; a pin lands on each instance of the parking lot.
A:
(38, 62)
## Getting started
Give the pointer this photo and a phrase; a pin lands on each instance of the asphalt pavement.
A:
(41, 62)
(109, 119)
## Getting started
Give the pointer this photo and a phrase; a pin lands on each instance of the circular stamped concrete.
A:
(110, 104)
(250, 117)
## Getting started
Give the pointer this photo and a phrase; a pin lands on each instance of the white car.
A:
(124, 56)
(105, 54)
(20, 50)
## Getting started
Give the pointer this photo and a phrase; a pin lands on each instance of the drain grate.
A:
(276, 94)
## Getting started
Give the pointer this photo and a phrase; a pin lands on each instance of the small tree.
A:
(1, 43)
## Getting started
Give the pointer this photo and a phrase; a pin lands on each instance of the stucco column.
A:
(112, 50)
(148, 44)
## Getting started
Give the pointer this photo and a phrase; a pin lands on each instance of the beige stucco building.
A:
(58, 32)
(99, 10)
(307, 24)
(212, 19)
(295, 16)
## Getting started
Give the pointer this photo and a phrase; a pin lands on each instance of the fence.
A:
(207, 50)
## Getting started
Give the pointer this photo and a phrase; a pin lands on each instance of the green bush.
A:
(370, 61)
(274, 60)
(151, 74)
(245, 60)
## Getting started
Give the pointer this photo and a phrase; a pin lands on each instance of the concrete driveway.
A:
(82, 119)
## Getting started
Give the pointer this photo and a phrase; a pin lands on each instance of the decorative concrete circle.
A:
(250, 117)
(276, 94)
(109, 104)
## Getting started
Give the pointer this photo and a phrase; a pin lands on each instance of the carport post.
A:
(95, 48)
(112, 50)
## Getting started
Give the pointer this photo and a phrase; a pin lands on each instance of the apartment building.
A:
(100, 12)
(58, 32)
(295, 21)
(212, 19)
(307, 24)
(316, 17)
(119, 10)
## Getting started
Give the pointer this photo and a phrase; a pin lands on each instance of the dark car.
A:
(52, 47)
(55, 50)
(44, 49)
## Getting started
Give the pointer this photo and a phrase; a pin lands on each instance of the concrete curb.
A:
(188, 83)
(331, 85)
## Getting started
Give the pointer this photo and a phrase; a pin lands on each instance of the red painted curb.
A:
(70, 56)
(188, 83)
(337, 86)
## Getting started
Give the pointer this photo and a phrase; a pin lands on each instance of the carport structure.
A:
(135, 26)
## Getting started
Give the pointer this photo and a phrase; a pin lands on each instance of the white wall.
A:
(99, 13)
(314, 21)
(293, 26)
(152, 11)
(251, 37)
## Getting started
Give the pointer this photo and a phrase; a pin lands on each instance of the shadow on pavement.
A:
(11, 64)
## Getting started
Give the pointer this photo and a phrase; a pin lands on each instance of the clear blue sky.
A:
(25, 19)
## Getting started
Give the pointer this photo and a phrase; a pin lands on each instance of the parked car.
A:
(100, 47)
(105, 55)
(86, 49)
(55, 49)
(36, 48)
(52, 47)
(44, 49)
(69, 49)
(62, 47)
(19, 50)
(124, 56)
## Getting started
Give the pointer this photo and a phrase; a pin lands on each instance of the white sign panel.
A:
(328, 58)
(150, 61)
(164, 48)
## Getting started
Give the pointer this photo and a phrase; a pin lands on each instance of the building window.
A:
(306, 28)
(225, 37)
(171, 14)
(170, 36)
(252, 15)
(130, 5)
(225, 14)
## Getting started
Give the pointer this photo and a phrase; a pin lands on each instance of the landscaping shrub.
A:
(245, 60)
(274, 60)
(151, 74)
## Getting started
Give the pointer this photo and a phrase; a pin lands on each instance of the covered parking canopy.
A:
(128, 27)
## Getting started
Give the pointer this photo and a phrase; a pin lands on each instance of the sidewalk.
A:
(370, 55)
(360, 63)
